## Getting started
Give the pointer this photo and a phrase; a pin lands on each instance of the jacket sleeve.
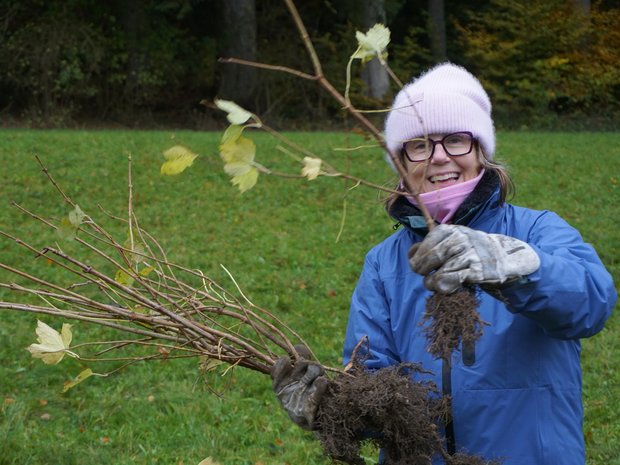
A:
(369, 321)
(571, 295)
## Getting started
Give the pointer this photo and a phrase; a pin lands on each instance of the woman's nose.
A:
(439, 155)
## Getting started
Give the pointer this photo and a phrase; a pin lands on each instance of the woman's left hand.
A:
(451, 256)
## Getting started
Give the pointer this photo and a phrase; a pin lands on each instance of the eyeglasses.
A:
(455, 145)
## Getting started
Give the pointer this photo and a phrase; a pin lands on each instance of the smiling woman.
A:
(541, 289)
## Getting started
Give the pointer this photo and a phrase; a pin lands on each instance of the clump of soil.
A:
(390, 409)
(452, 319)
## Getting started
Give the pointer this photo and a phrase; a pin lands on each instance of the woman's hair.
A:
(506, 184)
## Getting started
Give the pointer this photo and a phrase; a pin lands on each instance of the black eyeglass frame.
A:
(472, 140)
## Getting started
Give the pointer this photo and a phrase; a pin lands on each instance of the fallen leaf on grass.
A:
(208, 461)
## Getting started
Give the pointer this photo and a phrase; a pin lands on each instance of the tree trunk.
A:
(437, 29)
(238, 82)
(584, 6)
(133, 19)
(373, 74)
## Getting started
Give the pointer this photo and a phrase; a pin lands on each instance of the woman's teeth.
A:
(443, 177)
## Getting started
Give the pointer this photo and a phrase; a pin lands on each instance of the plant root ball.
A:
(386, 407)
(389, 408)
(453, 318)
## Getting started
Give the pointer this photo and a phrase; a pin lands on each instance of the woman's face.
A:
(442, 170)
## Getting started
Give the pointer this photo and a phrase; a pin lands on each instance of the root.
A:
(454, 318)
(390, 409)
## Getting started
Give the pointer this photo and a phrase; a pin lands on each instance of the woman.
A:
(518, 398)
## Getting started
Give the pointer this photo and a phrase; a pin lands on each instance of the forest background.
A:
(548, 64)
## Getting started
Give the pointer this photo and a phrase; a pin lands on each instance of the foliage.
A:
(64, 62)
(52, 61)
(545, 58)
(162, 413)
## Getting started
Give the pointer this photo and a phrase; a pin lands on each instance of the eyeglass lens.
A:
(455, 144)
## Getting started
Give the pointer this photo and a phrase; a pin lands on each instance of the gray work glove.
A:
(299, 387)
(451, 256)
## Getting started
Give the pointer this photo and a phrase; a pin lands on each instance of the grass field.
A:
(279, 241)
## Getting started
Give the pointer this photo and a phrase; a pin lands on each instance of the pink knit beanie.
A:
(445, 99)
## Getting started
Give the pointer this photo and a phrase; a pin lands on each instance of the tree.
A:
(374, 75)
(437, 29)
(238, 40)
(133, 19)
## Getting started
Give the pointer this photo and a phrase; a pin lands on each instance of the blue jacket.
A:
(521, 399)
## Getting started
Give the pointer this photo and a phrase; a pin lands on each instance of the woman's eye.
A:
(454, 140)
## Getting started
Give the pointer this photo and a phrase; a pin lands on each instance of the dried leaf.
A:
(312, 168)
(52, 344)
(235, 114)
(373, 43)
(208, 461)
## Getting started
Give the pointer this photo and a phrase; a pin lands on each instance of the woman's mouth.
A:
(443, 177)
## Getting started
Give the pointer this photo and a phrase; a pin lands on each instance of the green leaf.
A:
(178, 158)
(77, 380)
(235, 114)
(373, 43)
(123, 278)
(68, 227)
(66, 231)
(138, 250)
(76, 216)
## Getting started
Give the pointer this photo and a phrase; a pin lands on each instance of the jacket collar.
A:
(484, 197)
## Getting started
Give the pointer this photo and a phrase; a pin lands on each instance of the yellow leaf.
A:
(246, 181)
(123, 278)
(373, 43)
(240, 149)
(178, 158)
(52, 344)
(237, 168)
(235, 114)
(144, 272)
(238, 155)
(312, 168)
(232, 133)
(77, 380)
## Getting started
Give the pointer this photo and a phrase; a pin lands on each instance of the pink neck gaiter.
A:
(443, 203)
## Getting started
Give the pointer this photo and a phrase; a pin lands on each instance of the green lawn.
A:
(279, 240)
